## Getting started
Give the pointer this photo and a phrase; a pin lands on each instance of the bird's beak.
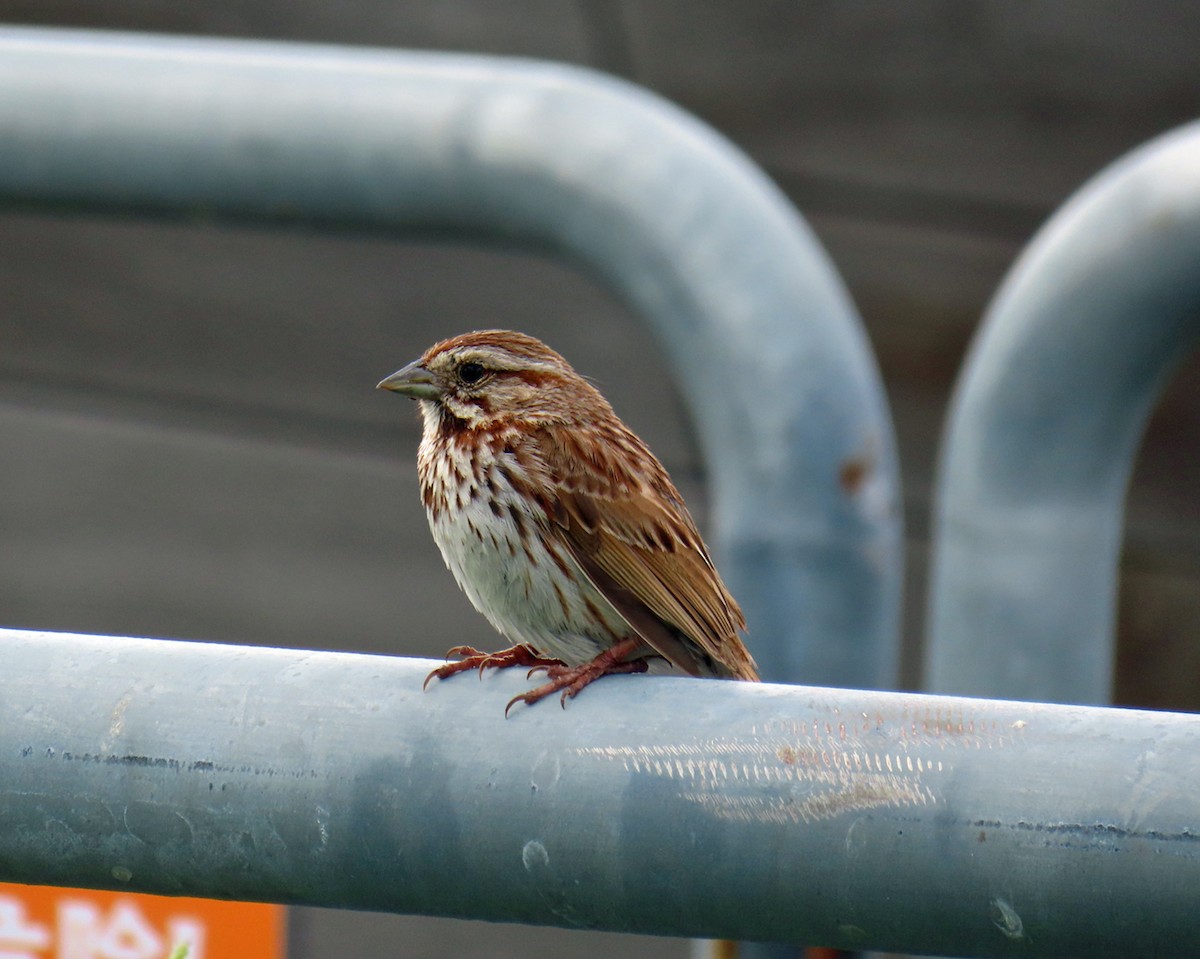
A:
(414, 381)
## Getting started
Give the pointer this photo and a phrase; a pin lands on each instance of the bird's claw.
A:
(464, 651)
(472, 658)
(572, 679)
(469, 656)
(569, 680)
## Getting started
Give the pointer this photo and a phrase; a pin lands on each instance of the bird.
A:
(559, 523)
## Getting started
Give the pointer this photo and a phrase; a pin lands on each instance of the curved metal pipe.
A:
(761, 334)
(1044, 427)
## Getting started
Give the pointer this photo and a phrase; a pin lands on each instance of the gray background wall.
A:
(190, 444)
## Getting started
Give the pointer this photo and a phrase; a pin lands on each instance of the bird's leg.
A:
(472, 658)
(571, 679)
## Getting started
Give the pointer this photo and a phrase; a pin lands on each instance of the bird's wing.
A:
(627, 527)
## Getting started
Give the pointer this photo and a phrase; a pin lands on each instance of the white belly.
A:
(519, 585)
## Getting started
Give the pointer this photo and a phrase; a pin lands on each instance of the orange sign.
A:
(47, 922)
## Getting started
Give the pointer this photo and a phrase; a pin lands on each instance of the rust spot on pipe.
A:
(853, 472)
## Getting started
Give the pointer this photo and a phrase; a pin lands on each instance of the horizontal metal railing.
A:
(660, 805)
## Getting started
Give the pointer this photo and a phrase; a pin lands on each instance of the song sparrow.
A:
(559, 523)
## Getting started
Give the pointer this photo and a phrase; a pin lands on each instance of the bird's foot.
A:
(472, 658)
(571, 679)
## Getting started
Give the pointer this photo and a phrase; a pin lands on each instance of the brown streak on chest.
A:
(430, 500)
(562, 600)
(598, 618)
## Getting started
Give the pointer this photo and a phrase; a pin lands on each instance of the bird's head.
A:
(489, 376)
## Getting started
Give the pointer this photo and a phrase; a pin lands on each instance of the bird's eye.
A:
(471, 372)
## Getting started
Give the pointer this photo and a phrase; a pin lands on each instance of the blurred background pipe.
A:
(767, 348)
(1044, 428)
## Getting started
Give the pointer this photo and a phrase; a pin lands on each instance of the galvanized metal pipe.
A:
(766, 345)
(1044, 427)
(659, 805)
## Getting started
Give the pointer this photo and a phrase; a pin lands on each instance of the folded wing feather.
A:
(640, 547)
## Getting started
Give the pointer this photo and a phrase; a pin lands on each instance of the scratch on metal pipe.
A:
(1005, 918)
(322, 826)
(116, 722)
(791, 771)
(555, 890)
